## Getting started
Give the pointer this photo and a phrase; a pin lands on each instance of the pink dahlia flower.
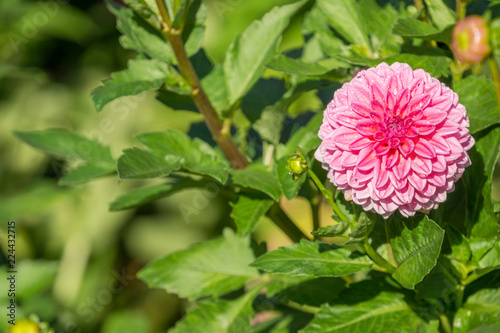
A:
(395, 138)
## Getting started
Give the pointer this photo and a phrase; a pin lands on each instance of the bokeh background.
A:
(76, 260)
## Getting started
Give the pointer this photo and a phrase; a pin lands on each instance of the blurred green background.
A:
(76, 260)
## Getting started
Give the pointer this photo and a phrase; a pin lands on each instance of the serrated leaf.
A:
(219, 316)
(138, 163)
(331, 230)
(345, 17)
(140, 37)
(248, 210)
(442, 16)
(477, 94)
(310, 258)
(491, 259)
(249, 53)
(141, 75)
(212, 268)
(481, 310)
(257, 177)
(195, 155)
(460, 246)
(416, 243)
(440, 282)
(386, 312)
(67, 145)
(365, 225)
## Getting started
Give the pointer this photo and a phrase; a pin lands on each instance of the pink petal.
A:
(421, 166)
(343, 136)
(417, 182)
(359, 142)
(361, 109)
(367, 127)
(406, 147)
(424, 127)
(424, 149)
(434, 115)
(390, 158)
(366, 159)
(349, 159)
(440, 145)
(381, 148)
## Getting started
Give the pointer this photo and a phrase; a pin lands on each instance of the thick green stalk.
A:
(370, 251)
(328, 195)
(223, 139)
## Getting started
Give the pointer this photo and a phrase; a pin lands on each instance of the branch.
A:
(223, 139)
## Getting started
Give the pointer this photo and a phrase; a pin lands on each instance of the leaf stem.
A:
(302, 308)
(445, 323)
(461, 6)
(495, 74)
(370, 251)
(285, 223)
(329, 196)
(223, 139)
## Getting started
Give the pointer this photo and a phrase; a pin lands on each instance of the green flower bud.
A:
(470, 39)
(297, 165)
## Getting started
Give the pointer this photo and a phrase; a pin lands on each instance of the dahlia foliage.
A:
(394, 138)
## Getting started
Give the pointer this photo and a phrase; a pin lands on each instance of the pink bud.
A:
(470, 40)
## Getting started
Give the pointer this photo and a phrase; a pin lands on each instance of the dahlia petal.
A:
(380, 175)
(347, 120)
(435, 116)
(390, 102)
(343, 136)
(424, 149)
(366, 159)
(417, 182)
(437, 179)
(421, 166)
(348, 159)
(402, 168)
(361, 109)
(359, 142)
(377, 94)
(406, 147)
(376, 117)
(397, 183)
(405, 194)
(415, 115)
(377, 107)
(366, 127)
(439, 164)
(439, 144)
(390, 158)
(381, 148)
(424, 127)
(419, 101)
(442, 102)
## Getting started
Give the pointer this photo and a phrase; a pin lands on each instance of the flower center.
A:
(394, 127)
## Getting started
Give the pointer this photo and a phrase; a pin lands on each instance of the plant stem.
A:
(302, 308)
(222, 137)
(460, 297)
(461, 6)
(285, 223)
(445, 323)
(495, 74)
(329, 196)
(370, 251)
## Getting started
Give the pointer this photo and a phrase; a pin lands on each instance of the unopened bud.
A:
(470, 39)
(297, 164)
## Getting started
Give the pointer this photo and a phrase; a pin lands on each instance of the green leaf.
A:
(250, 52)
(219, 316)
(138, 163)
(195, 155)
(141, 196)
(481, 310)
(365, 225)
(410, 27)
(416, 243)
(379, 21)
(248, 210)
(270, 123)
(460, 246)
(477, 94)
(310, 258)
(386, 312)
(492, 258)
(331, 230)
(440, 282)
(139, 36)
(289, 187)
(126, 322)
(346, 18)
(212, 268)
(62, 144)
(141, 75)
(442, 16)
(257, 177)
